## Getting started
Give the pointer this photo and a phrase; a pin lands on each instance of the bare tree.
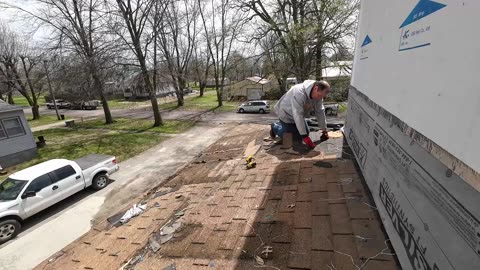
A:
(8, 58)
(4, 87)
(177, 34)
(135, 15)
(19, 68)
(224, 25)
(241, 66)
(306, 29)
(78, 26)
(201, 66)
(276, 60)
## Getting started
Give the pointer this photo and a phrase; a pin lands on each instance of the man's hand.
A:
(324, 135)
(308, 142)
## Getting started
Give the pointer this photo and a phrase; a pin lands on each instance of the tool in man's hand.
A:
(251, 163)
(324, 136)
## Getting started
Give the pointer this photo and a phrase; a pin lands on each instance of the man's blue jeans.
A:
(280, 127)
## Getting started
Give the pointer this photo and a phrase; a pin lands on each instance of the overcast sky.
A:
(18, 24)
(25, 28)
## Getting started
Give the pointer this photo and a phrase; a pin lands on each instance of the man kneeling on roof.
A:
(299, 102)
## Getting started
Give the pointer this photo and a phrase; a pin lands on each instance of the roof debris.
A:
(136, 210)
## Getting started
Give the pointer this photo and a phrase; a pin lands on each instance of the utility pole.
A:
(51, 90)
(155, 34)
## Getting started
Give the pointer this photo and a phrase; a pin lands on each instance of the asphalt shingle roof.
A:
(292, 211)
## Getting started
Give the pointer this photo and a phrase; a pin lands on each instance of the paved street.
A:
(203, 116)
(145, 112)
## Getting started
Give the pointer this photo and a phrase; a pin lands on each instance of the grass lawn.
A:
(342, 107)
(137, 125)
(207, 102)
(192, 102)
(124, 139)
(207, 89)
(22, 101)
(125, 104)
(44, 120)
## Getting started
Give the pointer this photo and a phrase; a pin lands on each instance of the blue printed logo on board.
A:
(366, 41)
(415, 32)
(364, 48)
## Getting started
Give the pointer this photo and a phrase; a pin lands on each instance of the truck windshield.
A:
(10, 188)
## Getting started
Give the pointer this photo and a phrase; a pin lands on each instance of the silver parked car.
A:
(258, 106)
(331, 108)
(61, 104)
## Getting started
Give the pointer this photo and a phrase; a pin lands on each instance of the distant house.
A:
(252, 88)
(134, 88)
(338, 74)
(337, 70)
(292, 80)
(113, 88)
(16, 139)
(211, 82)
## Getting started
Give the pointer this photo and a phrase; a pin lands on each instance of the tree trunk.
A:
(180, 99)
(10, 98)
(318, 63)
(181, 86)
(156, 111)
(99, 89)
(219, 97)
(218, 88)
(203, 81)
(35, 109)
(202, 88)
(33, 102)
(153, 95)
(36, 112)
(106, 108)
(282, 81)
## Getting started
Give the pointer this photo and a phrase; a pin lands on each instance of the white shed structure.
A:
(16, 140)
(252, 88)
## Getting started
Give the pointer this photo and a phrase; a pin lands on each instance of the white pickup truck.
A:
(32, 190)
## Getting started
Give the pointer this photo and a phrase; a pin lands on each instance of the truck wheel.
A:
(9, 228)
(100, 181)
(262, 111)
(241, 111)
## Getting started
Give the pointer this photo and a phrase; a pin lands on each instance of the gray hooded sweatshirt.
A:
(296, 104)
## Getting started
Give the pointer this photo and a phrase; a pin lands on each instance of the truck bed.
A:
(91, 160)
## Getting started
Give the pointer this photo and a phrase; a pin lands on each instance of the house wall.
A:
(438, 80)
(17, 149)
(413, 125)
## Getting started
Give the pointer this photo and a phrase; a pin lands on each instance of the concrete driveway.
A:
(51, 230)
